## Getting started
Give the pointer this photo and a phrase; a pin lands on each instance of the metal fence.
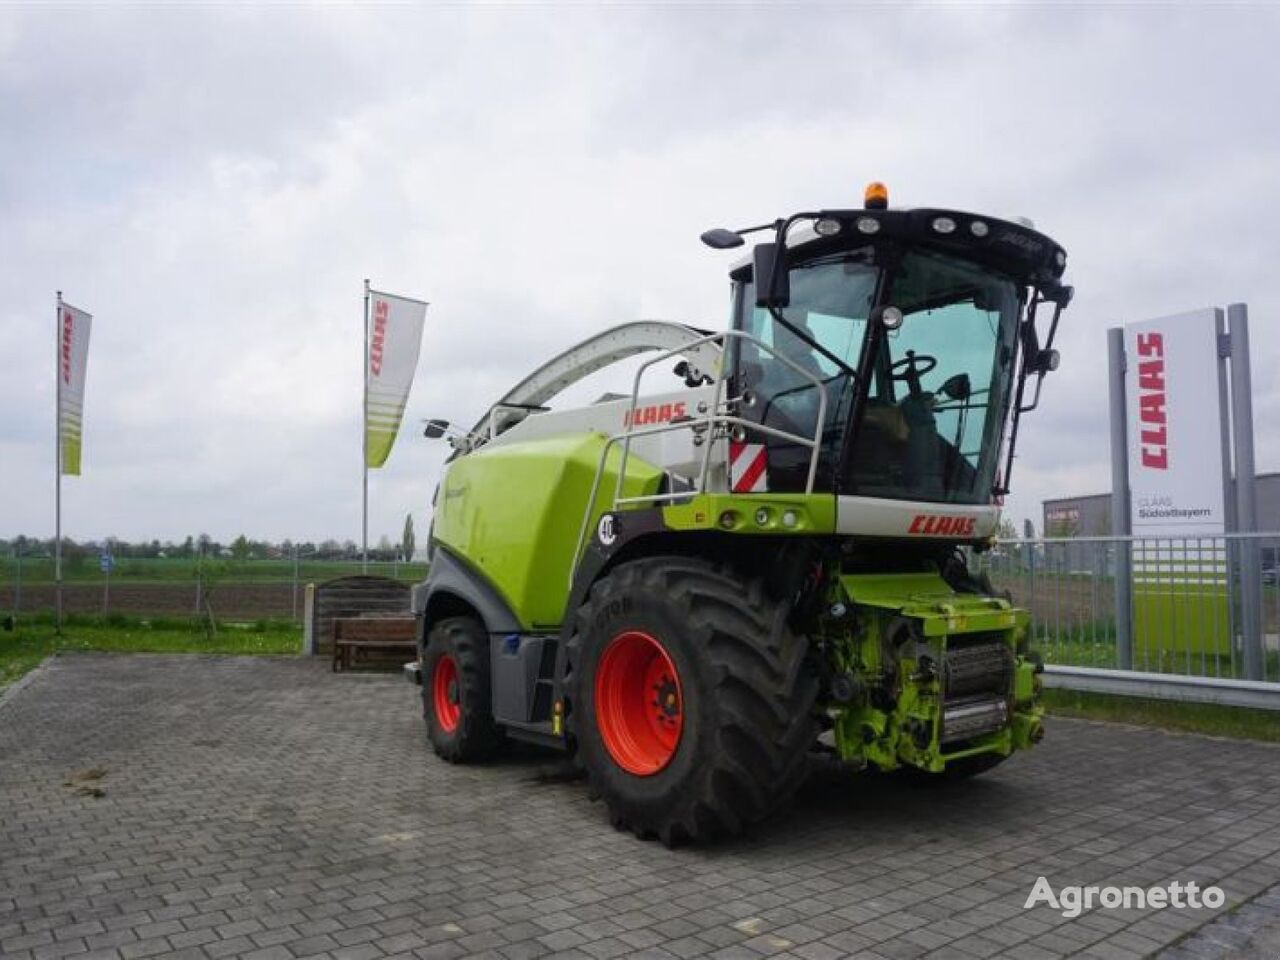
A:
(225, 588)
(1188, 617)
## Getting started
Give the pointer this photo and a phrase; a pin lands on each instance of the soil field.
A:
(230, 601)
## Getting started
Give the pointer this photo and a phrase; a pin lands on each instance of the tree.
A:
(240, 548)
(407, 543)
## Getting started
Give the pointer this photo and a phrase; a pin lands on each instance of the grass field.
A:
(23, 648)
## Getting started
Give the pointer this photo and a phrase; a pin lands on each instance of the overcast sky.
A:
(213, 184)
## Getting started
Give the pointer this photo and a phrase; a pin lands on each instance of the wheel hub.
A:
(639, 708)
(444, 693)
(666, 699)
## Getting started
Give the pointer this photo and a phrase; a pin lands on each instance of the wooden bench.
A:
(362, 639)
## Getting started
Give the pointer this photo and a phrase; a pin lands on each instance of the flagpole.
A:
(57, 466)
(364, 441)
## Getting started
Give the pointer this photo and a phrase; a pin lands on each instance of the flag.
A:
(394, 336)
(73, 355)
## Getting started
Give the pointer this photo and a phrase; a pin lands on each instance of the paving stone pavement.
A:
(267, 809)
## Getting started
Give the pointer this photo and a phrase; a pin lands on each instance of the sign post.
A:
(1246, 491)
(106, 563)
(1120, 522)
(71, 354)
(57, 472)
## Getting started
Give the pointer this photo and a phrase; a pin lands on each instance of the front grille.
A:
(966, 719)
(984, 668)
(977, 678)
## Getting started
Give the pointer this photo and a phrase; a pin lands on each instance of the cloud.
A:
(214, 183)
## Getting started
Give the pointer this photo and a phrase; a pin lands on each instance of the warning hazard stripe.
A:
(748, 468)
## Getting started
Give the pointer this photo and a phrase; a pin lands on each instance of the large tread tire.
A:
(748, 692)
(469, 732)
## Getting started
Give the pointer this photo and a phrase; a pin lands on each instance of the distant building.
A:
(1090, 515)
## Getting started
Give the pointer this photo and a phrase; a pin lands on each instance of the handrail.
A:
(709, 419)
(712, 412)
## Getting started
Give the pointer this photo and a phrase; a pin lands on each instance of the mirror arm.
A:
(1028, 347)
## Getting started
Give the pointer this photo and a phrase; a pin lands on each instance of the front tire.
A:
(690, 700)
(456, 693)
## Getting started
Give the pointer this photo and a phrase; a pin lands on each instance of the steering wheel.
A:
(911, 368)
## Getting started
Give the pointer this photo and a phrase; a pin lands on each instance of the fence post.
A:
(1121, 521)
(197, 554)
(295, 583)
(1246, 492)
(17, 580)
(309, 621)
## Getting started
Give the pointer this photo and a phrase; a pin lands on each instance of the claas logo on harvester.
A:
(659, 413)
(930, 524)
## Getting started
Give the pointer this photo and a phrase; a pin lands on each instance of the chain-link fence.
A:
(221, 587)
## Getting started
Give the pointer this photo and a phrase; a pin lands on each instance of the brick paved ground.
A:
(269, 809)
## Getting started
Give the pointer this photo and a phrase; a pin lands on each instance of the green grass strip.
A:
(23, 648)
(1243, 723)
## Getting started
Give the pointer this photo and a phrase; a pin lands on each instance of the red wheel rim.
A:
(639, 706)
(444, 693)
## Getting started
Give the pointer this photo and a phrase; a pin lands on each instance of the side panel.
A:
(514, 511)
(514, 664)
(876, 517)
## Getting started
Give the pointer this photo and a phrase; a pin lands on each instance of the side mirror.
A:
(692, 376)
(1047, 361)
(1059, 294)
(773, 283)
(435, 429)
(721, 239)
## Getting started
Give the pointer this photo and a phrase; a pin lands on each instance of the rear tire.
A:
(690, 701)
(456, 692)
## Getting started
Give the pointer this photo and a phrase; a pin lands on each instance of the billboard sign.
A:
(1174, 427)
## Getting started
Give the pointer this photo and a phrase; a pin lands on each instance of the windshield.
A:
(934, 411)
(830, 302)
(932, 424)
